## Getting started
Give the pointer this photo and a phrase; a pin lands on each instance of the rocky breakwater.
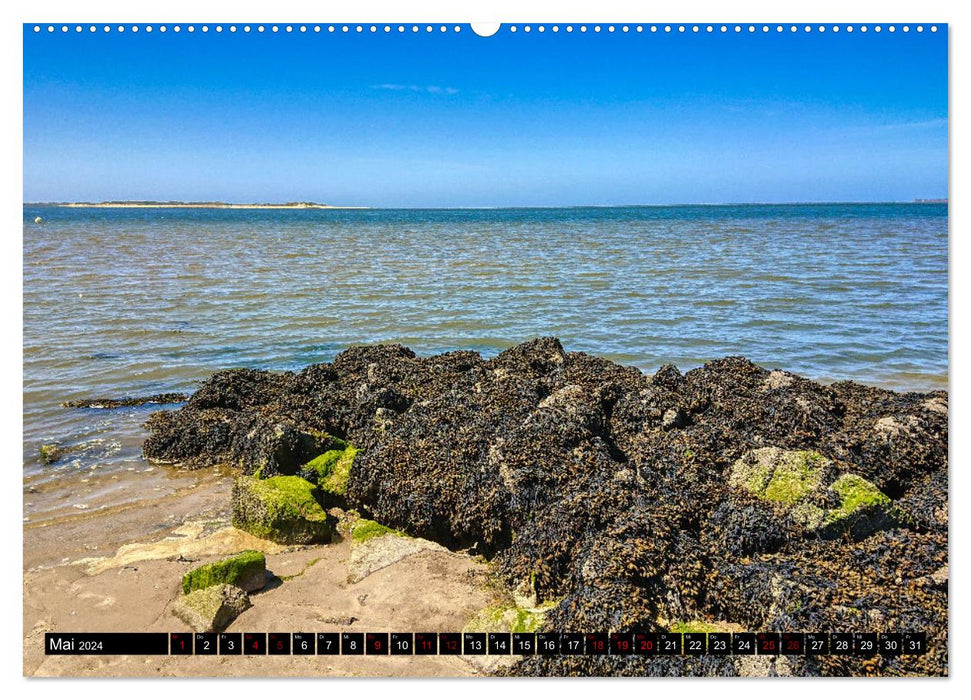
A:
(728, 497)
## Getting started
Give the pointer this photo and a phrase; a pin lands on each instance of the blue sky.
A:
(459, 120)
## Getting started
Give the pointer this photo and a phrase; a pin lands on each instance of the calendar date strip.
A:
(862, 644)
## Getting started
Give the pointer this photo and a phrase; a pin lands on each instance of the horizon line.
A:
(215, 204)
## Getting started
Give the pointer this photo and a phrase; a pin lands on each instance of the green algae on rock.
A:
(246, 570)
(50, 453)
(863, 509)
(211, 609)
(282, 509)
(855, 492)
(794, 480)
(509, 618)
(363, 530)
(320, 466)
(694, 626)
(778, 475)
(330, 471)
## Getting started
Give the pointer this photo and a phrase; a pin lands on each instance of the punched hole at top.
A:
(485, 28)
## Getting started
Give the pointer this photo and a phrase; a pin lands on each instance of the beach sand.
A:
(118, 569)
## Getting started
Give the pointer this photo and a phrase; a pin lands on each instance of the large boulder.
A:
(282, 509)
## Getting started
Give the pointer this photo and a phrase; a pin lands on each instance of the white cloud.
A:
(930, 123)
(429, 89)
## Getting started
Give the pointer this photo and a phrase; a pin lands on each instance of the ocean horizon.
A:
(110, 203)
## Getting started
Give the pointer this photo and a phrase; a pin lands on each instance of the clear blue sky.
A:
(461, 120)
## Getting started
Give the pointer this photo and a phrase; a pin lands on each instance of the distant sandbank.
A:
(195, 205)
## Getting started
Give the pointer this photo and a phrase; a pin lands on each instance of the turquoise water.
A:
(140, 301)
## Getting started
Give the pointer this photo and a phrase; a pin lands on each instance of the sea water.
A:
(127, 302)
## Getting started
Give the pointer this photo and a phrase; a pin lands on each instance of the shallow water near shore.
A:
(136, 302)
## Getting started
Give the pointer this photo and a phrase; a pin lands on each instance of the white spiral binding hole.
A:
(512, 28)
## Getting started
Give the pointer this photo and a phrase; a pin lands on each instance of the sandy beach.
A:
(118, 570)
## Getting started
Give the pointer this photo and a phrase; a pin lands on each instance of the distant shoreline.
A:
(314, 205)
(192, 205)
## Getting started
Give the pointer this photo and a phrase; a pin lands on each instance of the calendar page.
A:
(470, 350)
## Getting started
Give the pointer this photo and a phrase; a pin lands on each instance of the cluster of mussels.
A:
(726, 498)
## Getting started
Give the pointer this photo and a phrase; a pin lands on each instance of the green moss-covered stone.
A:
(282, 509)
(796, 481)
(50, 453)
(336, 482)
(779, 476)
(795, 477)
(331, 470)
(855, 493)
(321, 466)
(363, 530)
(509, 618)
(863, 509)
(693, 626)
(246, 570)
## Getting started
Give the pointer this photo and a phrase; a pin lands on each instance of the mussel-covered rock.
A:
(728, 493)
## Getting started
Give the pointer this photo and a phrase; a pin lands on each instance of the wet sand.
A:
(118, 569)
